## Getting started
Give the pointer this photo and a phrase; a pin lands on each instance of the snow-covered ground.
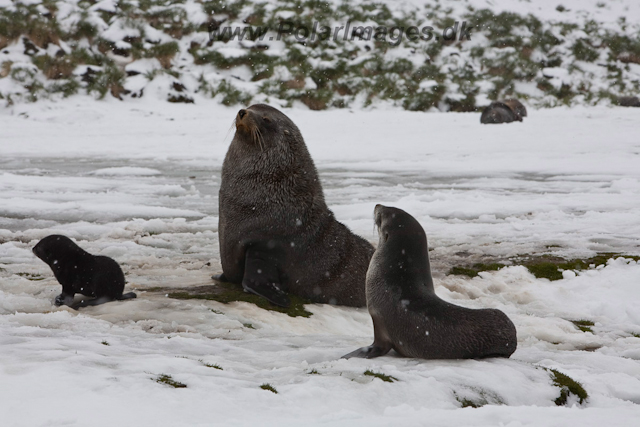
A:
(138, 181)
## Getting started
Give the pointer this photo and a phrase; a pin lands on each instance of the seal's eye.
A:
(266, 119)
(386, 237)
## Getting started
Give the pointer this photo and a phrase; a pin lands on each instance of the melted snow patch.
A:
(126, 171)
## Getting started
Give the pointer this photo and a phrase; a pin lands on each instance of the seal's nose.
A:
(242, 113)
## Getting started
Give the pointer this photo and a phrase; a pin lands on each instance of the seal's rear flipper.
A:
(219, 277)
(368, 352)
(92, 302)
(261, 277)
(128, 295)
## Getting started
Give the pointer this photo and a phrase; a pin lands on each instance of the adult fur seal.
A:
(516, 106)
(629, 101)
(407, 314)
(507, 111)
(276, 233)
(78, 271)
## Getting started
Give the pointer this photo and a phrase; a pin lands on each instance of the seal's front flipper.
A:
(381, 342)
(128, 295)
(261, 277)
(219, 277)
(368, 352)
(63, 299)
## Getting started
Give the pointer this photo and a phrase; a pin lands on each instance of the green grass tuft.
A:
(383, 377)
(583, 325)
(209, 365)
(313, 372)
(466, 403)
(482, 397)
(475, 269)
(567, 386)
(543, 266)
(105, 343)
(545, 270)
(267, 386)
(166, 379)
(549, 267)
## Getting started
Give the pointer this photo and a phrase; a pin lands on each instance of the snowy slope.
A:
(138, 182)
(547, 52)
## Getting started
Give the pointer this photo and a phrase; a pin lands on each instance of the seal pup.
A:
(407, 314)
(276, 233)
(503, 112)
(78, 271)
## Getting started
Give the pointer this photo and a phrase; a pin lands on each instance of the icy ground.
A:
(139, 181)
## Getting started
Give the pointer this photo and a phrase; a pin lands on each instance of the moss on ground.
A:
(475, 269)
(543, 266)
(583, 325)
(550, 267)
(209, 365)
(166, 379)
(567, 386)
(466, 403)
(228, 292)
(484, 397)
(269, 387)
(383, 377)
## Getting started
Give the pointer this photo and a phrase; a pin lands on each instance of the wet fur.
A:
(629, 101)
(274, 219)
(516, 106)
(507, 111)
(95, 276)
(407, 314)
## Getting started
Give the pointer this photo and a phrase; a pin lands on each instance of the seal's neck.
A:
(407, 261)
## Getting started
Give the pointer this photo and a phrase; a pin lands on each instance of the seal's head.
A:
(56, 247)
(396, 224)
(402, 253)
(263, 127)
(517, 107)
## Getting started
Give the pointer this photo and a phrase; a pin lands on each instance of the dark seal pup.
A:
(277, 234)
(407, 314)
(507, 111)
(78, 271)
